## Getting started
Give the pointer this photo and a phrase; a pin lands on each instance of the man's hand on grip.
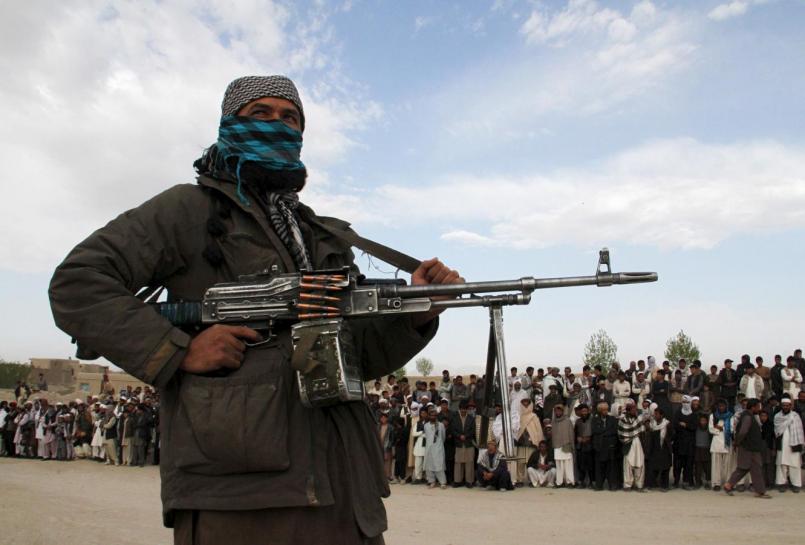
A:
(217, 347)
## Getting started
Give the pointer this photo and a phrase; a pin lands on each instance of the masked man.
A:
(238, 448)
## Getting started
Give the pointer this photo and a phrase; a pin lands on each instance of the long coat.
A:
(605, 437)
(659, 452)
(280, 453)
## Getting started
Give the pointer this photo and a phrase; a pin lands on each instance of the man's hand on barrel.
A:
(433, 271)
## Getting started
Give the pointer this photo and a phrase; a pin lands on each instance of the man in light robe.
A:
(792, 378)
(513, 378)
(418, 442)
(788, 429)
(434, 462)
(621, 392)
(527, 437)
(527, 379)
(516, 396)
(497, 433)
(563, 441)
(630, 428)
(751, 385)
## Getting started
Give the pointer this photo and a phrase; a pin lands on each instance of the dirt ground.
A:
(86, 503)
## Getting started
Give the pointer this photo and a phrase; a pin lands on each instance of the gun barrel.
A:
(525, 285)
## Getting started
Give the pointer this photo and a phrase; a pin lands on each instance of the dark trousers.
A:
(701, 472)
(400, 462)
(770, 467)
(138, 454)
(659, 477)
(752, 463)
(156, 450)
(605, 469)
(586, 468)
(500, 479)
(683, 462)
(8, 441)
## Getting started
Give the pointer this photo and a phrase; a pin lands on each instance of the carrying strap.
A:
(402, 261)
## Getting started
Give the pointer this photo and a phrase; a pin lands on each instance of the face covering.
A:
(268, 145)
(264, 155)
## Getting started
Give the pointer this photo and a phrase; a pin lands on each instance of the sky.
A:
(508, 138)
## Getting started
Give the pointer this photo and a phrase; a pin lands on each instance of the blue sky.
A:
(507, 138)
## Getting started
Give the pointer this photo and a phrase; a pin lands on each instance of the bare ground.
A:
(86, 503)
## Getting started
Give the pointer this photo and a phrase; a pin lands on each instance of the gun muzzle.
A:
(607, 279)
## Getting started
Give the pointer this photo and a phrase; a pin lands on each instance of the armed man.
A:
(242, 457)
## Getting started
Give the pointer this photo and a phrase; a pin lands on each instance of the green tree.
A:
(600, 350)
(424, 366)
(11, 372)
(681, 346)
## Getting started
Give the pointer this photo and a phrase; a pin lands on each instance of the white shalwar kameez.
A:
(564, 467)
(789, 462)
(634, 465)
(621, 392)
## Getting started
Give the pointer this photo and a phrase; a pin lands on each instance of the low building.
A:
(69, 378)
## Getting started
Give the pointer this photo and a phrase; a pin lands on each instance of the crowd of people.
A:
(644, 427)
(122, 430)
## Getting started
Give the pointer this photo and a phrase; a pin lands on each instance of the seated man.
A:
(492, 469)
(541, 466)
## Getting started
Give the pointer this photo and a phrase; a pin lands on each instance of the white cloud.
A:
(677, 193)
(726, 11)
(467, 237)
(578, 18)
(583, 60)
(736, 8)
(106, 104)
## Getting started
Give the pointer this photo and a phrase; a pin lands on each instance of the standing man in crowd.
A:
(788, 429)
(605, 444)
(659, 449)
(792, 378)
(776, 378)
(720, 427)
(294, 475)
(630, 431)
(463, 431)
(563, 442)
(749, 440)
(585, 461)
(685, 423)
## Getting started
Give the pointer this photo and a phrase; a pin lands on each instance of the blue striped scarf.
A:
(272, 145)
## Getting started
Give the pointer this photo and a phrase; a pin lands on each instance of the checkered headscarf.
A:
(248, 88)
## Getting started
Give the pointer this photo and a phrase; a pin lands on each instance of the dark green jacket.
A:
(243, 441)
